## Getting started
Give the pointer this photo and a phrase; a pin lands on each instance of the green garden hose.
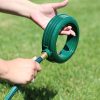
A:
(49, 40)
(51, 34)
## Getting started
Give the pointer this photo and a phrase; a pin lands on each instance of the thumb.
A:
(59, 4)
(38, 68)
(34, 58)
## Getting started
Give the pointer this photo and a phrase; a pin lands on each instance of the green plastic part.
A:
(51, 34)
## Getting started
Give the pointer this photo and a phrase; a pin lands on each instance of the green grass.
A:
(78, 78)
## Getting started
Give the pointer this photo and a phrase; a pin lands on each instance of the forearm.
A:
(3, 68)
(17, 7)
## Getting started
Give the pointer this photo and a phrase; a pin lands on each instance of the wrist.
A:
(30, 8)
(33, 7)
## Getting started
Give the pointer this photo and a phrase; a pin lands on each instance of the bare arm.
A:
(41, 14)
(3, 68)
(18, 7)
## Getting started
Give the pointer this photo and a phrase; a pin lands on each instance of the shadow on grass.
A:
(38, 93)
(35, 93)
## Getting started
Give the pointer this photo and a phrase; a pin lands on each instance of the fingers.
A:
(67, 28)
(38, 68)
(68, 31)
(72, 33)
(59, 4)
(65, 33)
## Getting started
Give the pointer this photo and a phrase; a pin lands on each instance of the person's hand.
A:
(21, 71)
(43, 13)
(39, 13)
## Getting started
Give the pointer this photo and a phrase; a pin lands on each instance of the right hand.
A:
(21, 71)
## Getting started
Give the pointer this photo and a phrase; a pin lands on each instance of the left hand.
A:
(45, 12)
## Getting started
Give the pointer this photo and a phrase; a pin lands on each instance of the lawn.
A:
(78, 78)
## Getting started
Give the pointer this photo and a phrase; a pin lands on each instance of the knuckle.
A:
(34, 63)
(27, 81)
(24, 82)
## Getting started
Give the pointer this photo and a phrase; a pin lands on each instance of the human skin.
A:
(20, 70)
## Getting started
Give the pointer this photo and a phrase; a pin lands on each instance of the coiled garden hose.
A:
(49, 40)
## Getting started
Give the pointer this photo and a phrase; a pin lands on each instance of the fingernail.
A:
(34, 58)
